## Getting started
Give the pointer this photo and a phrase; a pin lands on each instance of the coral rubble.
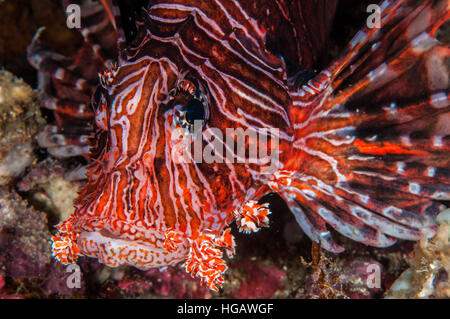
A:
(428, 274)
(20, 120)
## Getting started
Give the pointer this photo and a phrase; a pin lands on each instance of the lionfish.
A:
(362, 145)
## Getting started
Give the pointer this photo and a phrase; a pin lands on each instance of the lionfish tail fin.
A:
(371, 151)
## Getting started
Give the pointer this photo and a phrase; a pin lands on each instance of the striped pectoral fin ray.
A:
(383, 64)
(365, 185)
(372, 133)
(68, 82)
(100, 26)
(65, 143)
(320, 207)
(366, 175)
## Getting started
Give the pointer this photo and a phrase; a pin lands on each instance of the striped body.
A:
(144, 207)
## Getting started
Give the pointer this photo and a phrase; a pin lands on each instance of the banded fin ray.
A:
(372, 131)
(67, 83)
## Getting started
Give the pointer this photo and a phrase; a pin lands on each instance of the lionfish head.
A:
(175, 121)
(162, 172)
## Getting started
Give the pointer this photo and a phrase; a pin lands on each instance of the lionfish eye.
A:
(195, 110)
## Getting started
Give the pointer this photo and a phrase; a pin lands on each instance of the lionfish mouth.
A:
(143, 249)
(141, 253)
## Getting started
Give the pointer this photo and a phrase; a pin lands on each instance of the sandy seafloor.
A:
(273, 263)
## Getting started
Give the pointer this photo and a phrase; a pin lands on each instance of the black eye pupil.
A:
(195, 111)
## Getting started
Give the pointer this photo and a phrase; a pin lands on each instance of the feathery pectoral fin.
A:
(67, 83)
(371, 152)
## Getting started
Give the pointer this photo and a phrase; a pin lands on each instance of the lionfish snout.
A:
(120, 223)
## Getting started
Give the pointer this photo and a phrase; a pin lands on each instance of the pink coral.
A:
(258, 281)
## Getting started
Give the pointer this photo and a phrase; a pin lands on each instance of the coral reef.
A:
(428, 275)
(256, 279)
(25, 256)
(172, 282)
(20, 121)
(48, 189)
(24, 235)
(28, 198)
(335, 278)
